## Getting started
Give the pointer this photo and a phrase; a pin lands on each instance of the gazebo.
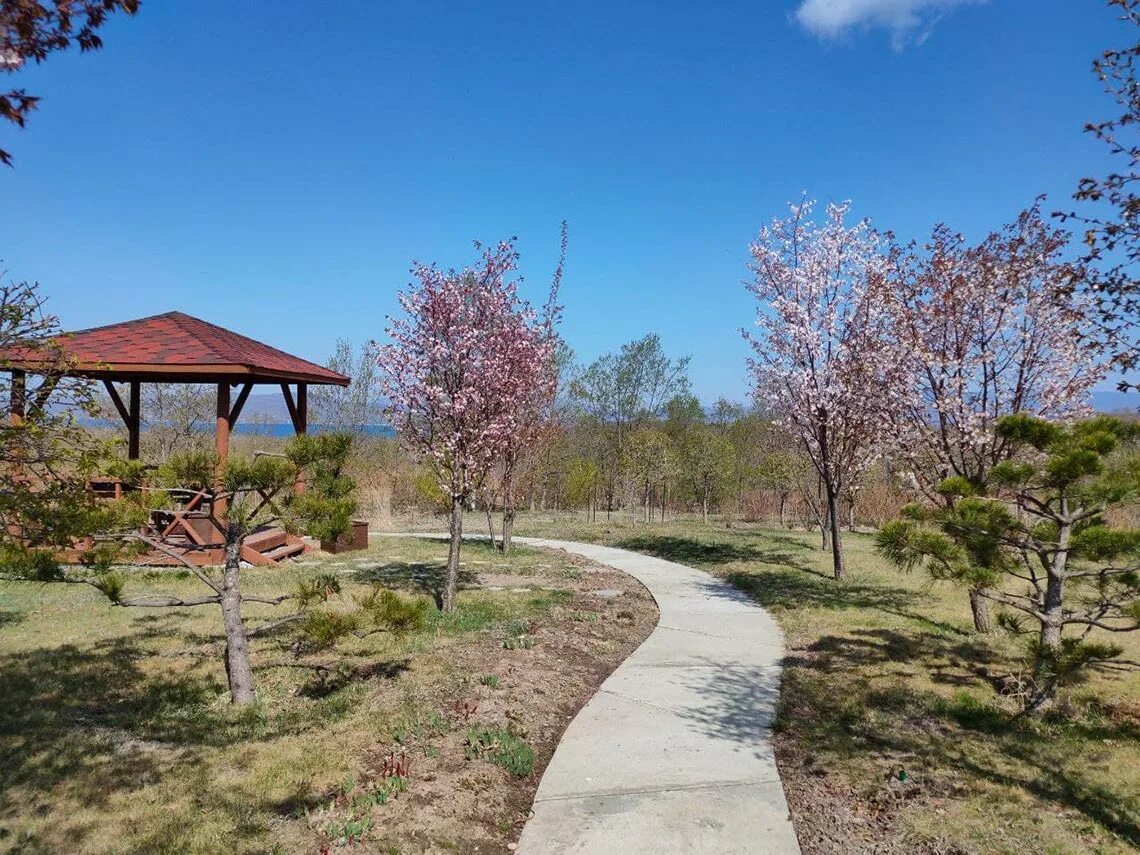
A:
(177, 348)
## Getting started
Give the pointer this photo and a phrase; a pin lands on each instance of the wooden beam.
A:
(134, 423)
(124, 414)
(290, 405)
(235, 411)
(44, 392)
(221, 448)
(300, 427)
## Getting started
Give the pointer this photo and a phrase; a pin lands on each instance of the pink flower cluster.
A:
(823, 357)
(986, 331)
(470, 367)
(865, 348)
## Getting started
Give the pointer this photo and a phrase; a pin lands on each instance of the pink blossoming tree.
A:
(538, 389)
(823, 358)
(986, 331)
(460, 372)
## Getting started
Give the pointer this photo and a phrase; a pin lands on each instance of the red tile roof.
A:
(183, 346)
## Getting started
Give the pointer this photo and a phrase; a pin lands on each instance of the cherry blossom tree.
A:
(986, 331)
(1110, 213)
(460, 372)
(823, 355)
(539, 381)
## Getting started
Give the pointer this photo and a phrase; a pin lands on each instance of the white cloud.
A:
(909, 21)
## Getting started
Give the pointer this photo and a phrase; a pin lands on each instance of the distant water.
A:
(256, 429)
(287, 430)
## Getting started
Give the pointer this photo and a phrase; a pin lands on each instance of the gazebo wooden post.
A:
(19, 397)
(221, 449)
(16, 409)
(134, 423)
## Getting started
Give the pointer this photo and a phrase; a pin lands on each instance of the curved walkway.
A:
(673, 753)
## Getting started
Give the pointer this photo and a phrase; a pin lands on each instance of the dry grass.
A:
(116, 734)
(884, 675)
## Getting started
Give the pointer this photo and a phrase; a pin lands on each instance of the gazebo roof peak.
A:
(177, 347)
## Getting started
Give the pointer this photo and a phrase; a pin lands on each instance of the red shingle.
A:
(175, 340)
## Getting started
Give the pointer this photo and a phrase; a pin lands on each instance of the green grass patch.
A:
(502, 748)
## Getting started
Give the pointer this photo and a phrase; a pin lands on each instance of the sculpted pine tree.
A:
(459, 371)
(324, 510)
(823, 359)
(1037, 538)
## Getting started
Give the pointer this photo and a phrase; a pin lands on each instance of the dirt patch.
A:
(465, 784)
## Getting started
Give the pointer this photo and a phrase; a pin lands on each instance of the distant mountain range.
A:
(1110, 401)
(266, 406)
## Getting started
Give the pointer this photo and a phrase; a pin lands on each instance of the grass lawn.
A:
(116, 734)
(892, 735)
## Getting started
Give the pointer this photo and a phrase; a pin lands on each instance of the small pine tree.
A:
(1035, 537)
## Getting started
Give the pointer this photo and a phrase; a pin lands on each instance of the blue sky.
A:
(275, 170)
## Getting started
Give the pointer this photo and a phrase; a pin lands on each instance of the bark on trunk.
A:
(508, 527)
(833, 527)
(783, 505)
(239, 670)
(447, 600)
(705, 506)
(980, 606)
(490, 522)
(645, 514)
(1049, 644)
(1049, 647)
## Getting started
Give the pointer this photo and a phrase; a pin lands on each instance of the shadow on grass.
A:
(786, 582)
(685, 550)
(805, 588)
(839, 699)
(414, 577)
(94, 723)
(91, 724)
(327, 680)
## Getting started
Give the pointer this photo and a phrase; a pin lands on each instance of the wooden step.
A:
(267, 539)
(288, 550)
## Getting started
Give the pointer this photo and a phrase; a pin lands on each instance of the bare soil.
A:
(457, 803)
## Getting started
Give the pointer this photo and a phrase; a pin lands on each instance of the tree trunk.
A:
(239, 670)
(447, 600)
(851, 516)
(783, 505)
(705, 505)
(490, 520)
(820, 510)
(508, 527)
(980, 606)
(1045, 668)
(645, 515)
(833, 527)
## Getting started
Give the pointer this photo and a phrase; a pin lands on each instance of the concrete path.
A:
(673, 753)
